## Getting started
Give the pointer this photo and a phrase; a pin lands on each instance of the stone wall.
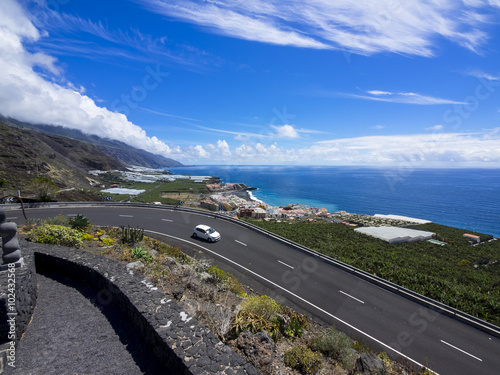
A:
(182, 344)
(25, 301)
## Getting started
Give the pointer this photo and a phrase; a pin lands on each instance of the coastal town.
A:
(237, 200)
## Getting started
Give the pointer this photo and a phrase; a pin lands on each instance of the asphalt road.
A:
(393, 324)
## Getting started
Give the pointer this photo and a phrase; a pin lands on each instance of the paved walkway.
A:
(72, 334)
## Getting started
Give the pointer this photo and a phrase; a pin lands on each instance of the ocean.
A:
(462, 198)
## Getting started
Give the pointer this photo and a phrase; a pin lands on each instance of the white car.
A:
(207, 233)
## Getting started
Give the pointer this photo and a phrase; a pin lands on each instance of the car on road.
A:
(207, 233)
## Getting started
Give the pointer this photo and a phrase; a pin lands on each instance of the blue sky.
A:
(365, 82)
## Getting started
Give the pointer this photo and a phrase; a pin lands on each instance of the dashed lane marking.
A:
(283, 263)
(348, 295)
(463, 351)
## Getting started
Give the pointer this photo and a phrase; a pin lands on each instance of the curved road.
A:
(392, 323)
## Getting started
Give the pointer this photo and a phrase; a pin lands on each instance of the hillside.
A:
(26, 154)
(124, 153)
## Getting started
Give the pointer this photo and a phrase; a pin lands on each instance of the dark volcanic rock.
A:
(257, 348)
(369, 364)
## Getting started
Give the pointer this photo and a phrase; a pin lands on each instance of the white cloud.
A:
(435, 128)
(415, 150)
(482, 75)
(236, 22)
(45, 98)
(420, 149)
(401, 97)
(70, 36)
(378, 92)
(168, 115)
(362, 26)
(198, 152)
(286, 131)
(220, 151)
(274, 132)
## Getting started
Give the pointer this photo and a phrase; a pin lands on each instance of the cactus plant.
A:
(132, 235)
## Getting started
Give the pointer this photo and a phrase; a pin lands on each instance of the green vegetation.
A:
(45, 188)
(55, 235)
(225, 278)
(165, 192)
(131, 235)
(79, 222)
(336, 345)
(458, 274)
(247, 321)
(262, 313)
(140, 253)
(263, 306)
(107, 241)
(303, 359)
(166, 250)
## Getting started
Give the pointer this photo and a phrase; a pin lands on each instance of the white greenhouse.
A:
(395, 234)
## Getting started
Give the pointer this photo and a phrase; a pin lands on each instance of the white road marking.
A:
(463, 351)
(348, 295)
(12, 218)
(170, 221)
(72, 215)
(125, 215)
(286, 264)
(241, 243)
(296, 296)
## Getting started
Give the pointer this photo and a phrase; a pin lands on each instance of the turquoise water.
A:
(463, 198)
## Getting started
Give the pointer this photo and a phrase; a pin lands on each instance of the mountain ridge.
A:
(126, 154)
(27, 153)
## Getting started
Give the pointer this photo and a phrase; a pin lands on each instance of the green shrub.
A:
(79, 222)
(107, 241)
(263, 306)
(464, 263)
(291, 323)
(303, 359)
(167, 250)
(225, 278)
(44, 187)
(55, 235)
(86, 236)
(58, 220)
(140, 253)
(336, 345)
(246, 321)
(31, 223)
